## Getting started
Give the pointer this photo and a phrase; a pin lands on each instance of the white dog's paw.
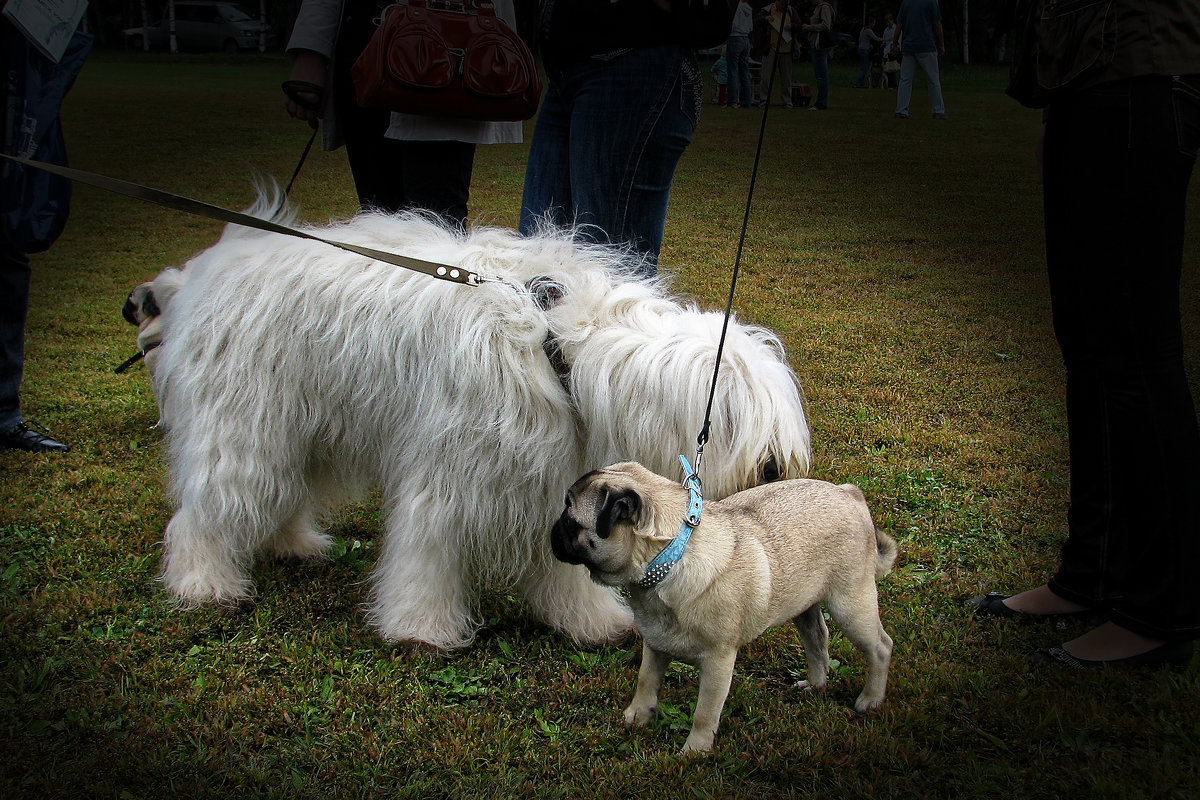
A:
(197, 588)
(810, 686)
(606, 625)
(304, 543)
(442, 633)
(697, 742)
(567, 599)
(638, 716)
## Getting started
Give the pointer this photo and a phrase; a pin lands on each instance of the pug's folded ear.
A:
(623, 506)
(150, 306)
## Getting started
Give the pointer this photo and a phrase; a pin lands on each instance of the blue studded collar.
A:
(660, 567)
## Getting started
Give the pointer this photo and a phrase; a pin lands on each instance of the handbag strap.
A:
(480, 8)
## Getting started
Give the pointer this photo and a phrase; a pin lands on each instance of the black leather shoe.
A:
(992, 605)
(1171, 654)
(22, 437)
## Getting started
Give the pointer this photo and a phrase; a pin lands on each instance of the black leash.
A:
(702, 439)
(443, 272)
(135, 358)
(295, 90)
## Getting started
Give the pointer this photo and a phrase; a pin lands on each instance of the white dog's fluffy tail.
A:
(270, 204)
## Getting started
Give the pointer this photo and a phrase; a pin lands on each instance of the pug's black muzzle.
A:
(129, 311)
(564, 541)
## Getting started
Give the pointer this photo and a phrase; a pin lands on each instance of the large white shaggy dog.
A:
(292, 374)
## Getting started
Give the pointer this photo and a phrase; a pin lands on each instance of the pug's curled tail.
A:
(885, 553)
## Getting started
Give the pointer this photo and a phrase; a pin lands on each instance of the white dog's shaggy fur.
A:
(293, 374)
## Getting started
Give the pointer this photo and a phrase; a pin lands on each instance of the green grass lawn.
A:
(901, 263)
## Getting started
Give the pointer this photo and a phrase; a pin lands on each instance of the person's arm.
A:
(896, 37)
(316, 27)
(824, 24)
(939, 34)
(311, 48)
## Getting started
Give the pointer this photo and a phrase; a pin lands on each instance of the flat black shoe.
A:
(1170, 654)
(992, 605)
(22, 437)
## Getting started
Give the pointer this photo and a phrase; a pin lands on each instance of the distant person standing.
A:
(921, 41)
(783, 20)
(820, 22)
(737, 56)
(866, 38)
(891, 53)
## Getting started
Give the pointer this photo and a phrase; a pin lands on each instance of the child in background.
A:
(720, 71)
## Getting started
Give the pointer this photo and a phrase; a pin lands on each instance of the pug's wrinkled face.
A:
(597, 527)
(141, 305)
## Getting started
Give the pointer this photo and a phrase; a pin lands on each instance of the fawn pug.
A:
(756, 559)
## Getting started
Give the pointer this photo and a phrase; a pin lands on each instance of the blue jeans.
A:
(864, 67)
(928, 62)
(1117, 162)
(608, 137)
(820, 59)
(737, 57)
(14, 302)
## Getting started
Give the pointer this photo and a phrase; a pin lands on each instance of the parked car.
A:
(201, 25)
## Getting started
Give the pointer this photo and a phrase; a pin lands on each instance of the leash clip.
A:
(691, 482)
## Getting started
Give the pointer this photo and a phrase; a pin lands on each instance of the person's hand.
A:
(308, 67)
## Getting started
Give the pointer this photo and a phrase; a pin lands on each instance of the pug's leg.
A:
(645, 699)
(814, 634)
(716, 673)
(858, 617)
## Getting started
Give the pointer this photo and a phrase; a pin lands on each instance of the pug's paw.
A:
(697, 742)
(638, 716)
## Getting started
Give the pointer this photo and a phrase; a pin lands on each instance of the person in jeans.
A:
(622, 100)
(1118, 148)
(737, 56)
(820, 22)
(29, 223)
(922, 41)
(866, 38)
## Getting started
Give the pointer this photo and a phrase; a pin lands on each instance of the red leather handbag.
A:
(449, 59)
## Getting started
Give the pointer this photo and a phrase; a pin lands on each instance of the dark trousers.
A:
(1118, 159)
(391, 174)
(14, 302)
